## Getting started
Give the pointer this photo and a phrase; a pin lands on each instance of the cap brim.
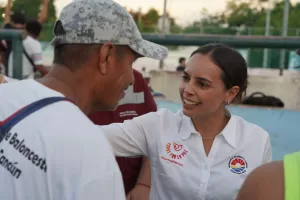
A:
(149, 49)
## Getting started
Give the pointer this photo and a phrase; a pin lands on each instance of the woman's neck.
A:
(210, 126)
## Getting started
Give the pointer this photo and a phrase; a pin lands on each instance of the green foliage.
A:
(2, 11)
(147, 22)
(250, 14)
(244, 17)
(248, 17)
(47, 32)
(32, 8)
(29, 7)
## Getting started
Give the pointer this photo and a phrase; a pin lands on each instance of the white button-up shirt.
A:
(180, 168)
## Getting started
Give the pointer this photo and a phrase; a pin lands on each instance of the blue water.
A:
(282, 125)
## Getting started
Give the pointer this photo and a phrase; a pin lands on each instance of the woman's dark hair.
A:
(232, 64)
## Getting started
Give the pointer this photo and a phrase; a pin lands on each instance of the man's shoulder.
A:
(66, 116)
(19, 94)
(265, 182)
(59, 123)
(82, 142)
(14, 91)
(78, 132)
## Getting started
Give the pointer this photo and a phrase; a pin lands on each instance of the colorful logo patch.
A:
(238, 165)
(176, 151)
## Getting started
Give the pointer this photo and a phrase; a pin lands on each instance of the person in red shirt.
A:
(137, 101)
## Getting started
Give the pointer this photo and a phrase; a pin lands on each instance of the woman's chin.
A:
(188, 112)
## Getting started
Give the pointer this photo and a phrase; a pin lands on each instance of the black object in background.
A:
(260, 99)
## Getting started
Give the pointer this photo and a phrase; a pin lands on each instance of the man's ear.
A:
(105, 56)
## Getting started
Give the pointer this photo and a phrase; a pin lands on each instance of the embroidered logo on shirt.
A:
(175, 151)
(238, 165)
(128, 113)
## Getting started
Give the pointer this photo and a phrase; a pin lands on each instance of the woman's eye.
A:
(203, 85)
(185, 78)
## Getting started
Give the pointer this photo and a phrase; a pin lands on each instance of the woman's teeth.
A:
(185, 101)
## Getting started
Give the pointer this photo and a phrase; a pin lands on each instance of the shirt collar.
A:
(186, 128)
(229, 132)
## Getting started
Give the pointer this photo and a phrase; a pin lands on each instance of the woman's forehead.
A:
(203, 66)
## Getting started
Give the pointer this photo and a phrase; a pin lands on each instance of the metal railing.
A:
(272, 42)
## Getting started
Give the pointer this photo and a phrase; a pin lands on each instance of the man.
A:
(137, 101)
(181, 66)
(56, 152)
(32, 53)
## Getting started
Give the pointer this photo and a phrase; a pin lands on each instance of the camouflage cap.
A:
(100, 21)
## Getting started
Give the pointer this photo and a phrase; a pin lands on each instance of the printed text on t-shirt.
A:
(19, 145)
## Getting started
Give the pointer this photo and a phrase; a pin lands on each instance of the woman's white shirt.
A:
(180, 168)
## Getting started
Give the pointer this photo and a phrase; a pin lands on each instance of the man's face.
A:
(118, 76)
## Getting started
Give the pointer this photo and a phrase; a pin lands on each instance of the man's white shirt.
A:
(180, 168)
(34, 51)
(55, 153)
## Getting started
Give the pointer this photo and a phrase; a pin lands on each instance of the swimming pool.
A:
(282, 125)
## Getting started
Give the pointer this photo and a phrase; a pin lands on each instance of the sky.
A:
(184, 11)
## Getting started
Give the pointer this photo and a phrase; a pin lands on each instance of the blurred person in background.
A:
(182, 64)
(32, 52)
(17, 20)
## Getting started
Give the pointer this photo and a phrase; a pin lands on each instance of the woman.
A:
(202, 151)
